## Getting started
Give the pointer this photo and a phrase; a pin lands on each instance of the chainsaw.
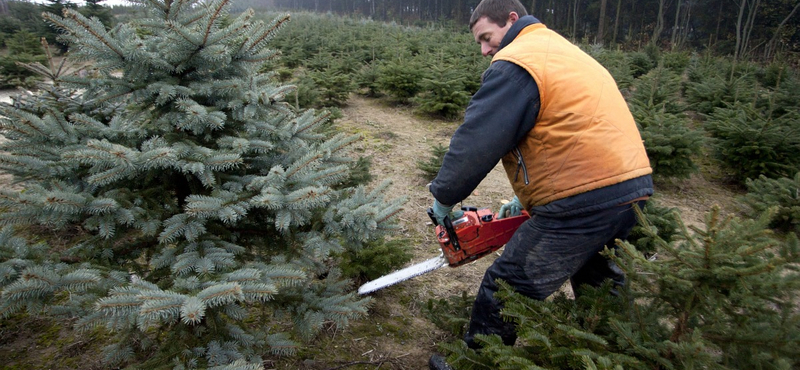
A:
(469, 237)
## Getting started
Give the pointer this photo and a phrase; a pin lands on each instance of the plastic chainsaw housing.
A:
(475, 234)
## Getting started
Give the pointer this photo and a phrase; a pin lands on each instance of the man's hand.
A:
(510, 209)
(440, 211)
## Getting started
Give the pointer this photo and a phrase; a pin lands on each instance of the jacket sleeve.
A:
(499, 115)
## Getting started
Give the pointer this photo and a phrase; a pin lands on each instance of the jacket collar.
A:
(515, 29)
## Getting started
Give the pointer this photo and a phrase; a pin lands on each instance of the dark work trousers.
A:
(543, 253)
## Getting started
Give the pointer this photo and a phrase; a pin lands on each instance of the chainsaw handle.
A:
(448, 226)
(433, 218)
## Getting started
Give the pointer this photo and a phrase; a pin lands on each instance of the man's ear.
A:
(513, 17)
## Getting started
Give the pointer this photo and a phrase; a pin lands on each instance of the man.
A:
(570, 148)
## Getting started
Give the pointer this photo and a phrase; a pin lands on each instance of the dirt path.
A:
(396, 139)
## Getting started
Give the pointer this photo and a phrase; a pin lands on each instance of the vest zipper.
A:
(520, 166)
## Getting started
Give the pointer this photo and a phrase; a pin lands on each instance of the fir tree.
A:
(725, 295)
(658, 89)
(93, 8)
(660, 224)
(752, 144)
(443, 93)
(199, 216)
(671, 145)
(400, 79)
(782, 195)
(430, 167)
(722, 297)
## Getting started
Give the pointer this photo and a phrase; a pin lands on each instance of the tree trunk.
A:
(659, 23)
(773, 42)
(743, 29)
(739, 27)
(601, 22)
(616, 22)
(575, 20)
(748, 30)
(684, 34)
(719, 20)
(675, 27)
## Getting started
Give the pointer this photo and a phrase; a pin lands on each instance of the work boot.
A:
(439, 362)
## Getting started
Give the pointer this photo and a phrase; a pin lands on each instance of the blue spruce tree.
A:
(169, 195)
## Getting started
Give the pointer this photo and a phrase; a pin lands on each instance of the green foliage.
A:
(401, 79)
(671, 145)
(655, 223)
(334, 87)
(23, 48)
(675, 61)
(655, 104)
(442, 93)
(557, 334)
(720, 298)
(430, 167)
(359, 173)
(450, 314)
(94, 9)
(725, 295)
(376, 259)
(658, 89)
(616, 63)
(781, 195)
(783, 98)
(307, 93)
(382, 59)
(640, 63)
(773, 74)
(26, 16)
(711, 85)
(12, 74)
(367, 79)
(24, 42)
(752, 144)
(183, 198)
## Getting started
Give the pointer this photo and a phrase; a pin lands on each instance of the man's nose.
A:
(486, 49)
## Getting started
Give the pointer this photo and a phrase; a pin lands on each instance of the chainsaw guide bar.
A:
(404, 274)
(474, 234)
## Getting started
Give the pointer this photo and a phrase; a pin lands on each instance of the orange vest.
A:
(584, 138)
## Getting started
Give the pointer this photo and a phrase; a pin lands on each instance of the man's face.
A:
(489, 35)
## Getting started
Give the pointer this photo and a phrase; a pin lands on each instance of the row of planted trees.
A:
(204, 218)
(722, 295)
(736, 28)
(22, 28)
(678, 98)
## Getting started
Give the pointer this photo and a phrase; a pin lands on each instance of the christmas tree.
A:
(169, 195)
(719, 297)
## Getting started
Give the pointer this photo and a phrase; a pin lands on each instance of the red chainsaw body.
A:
(479, 232)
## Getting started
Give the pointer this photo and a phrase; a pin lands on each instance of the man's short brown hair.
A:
(496, 11)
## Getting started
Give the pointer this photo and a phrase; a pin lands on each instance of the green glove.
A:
(510, 209)
(440, 211)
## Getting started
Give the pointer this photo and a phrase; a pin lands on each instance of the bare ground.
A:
(396, 335)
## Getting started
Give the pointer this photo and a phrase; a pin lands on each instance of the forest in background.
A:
(752, 28)
(740, 28)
